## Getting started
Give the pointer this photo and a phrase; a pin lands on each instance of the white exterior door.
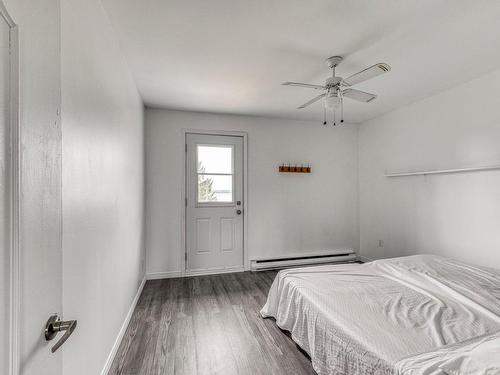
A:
(214, 203)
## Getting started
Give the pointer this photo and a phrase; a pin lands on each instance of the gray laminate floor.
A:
(207, 325)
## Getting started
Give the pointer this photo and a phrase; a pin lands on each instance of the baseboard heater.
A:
(296, 260)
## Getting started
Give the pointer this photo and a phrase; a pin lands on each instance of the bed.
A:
(393, 316)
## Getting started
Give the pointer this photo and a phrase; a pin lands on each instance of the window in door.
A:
(215, 169)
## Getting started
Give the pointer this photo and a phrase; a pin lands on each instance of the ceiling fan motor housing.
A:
(332, 82)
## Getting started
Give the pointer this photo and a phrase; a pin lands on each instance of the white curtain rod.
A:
(443, 171)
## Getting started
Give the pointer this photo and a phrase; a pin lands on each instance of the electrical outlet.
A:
(380, 243)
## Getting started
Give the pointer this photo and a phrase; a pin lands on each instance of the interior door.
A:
(4, 196)
(35, 183)
(214, 203)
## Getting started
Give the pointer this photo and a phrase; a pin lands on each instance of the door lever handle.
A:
(55, 325)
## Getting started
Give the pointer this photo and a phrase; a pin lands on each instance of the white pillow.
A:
(481, 359)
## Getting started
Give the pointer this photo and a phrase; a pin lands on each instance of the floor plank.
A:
(207, 325)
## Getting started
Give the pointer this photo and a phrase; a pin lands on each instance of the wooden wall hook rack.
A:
(288, 168)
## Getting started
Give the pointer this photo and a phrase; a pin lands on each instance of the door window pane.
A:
(215, 173)
(215, 188)
(215, 159)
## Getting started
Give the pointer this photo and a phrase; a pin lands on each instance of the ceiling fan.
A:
(336, 88)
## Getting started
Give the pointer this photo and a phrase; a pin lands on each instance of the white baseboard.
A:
(163, 275)
(173, 274)
(123, 329)
(365, 259)
(213, 272)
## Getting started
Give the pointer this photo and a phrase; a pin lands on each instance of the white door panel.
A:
(30, 187)
(202, 235)
(227, 229)
(214, 210)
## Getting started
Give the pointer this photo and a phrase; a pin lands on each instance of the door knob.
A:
(238, 212)
(55, 325)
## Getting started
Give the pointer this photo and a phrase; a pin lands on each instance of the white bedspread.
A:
(479, 356)
(365, 318)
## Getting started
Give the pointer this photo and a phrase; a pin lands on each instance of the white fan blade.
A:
(367, 74)
(311, 101)
(358, 95)
(306, 85)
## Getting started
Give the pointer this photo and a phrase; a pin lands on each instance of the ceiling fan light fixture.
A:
(332, 101)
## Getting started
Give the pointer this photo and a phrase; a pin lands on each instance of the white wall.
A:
(287, 213)
(40, 210)
(4, 197)
(103, 229)
(453, 215)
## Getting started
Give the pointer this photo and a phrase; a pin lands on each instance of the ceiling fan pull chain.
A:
(341, 109)
(334, 118)
(324, 115)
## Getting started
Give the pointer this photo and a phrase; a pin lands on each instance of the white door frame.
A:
(183, 250)
(14, 191)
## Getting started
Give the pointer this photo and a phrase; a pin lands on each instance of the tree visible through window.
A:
(206, 191)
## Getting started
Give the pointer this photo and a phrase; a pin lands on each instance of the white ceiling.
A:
(231, 56)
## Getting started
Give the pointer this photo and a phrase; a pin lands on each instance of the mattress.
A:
(366, 318)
